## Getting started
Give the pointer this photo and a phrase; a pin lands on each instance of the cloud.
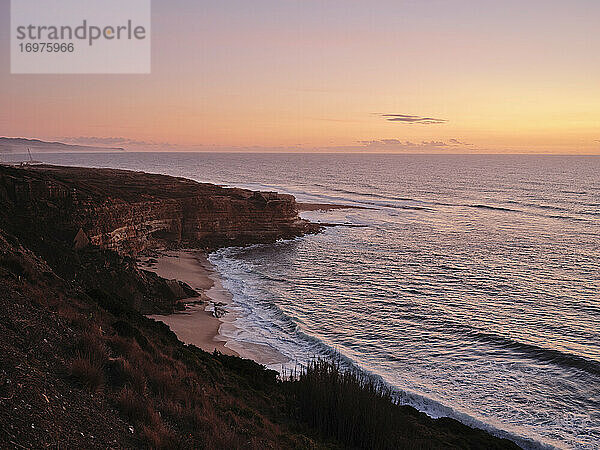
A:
(434, 144)
(397, 144)
(94, 140)
(390, 142)
(457, 142)
(406, 118)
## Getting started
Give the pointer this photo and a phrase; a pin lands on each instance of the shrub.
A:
(91, 346)
(136, 408)
(72, 316)
(160, 381)
(122, 374)
(89, 373)
(158, 437)
(346, 405)
(18, 266)
(124, 329)
(120, 346)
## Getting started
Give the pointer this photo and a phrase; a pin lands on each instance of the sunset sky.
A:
(448, 76)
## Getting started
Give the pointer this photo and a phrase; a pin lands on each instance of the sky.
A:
(429, 76)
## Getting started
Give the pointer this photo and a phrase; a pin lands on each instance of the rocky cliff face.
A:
(132, 211)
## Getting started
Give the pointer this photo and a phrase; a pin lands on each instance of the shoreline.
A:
(198, 324)
(195, 324)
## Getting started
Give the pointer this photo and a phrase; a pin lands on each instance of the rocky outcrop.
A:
(130, 211)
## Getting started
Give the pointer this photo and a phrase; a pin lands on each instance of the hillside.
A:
(20, 145)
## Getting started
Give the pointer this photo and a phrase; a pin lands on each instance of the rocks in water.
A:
(218, 309)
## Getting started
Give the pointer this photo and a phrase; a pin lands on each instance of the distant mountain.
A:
(19, 145)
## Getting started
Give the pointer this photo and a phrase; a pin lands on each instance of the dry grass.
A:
(177, 396)
(91, 346)
(121, 346)
(90, 359)
(346, 405)
(72, 316)
(19, 266)
(136, 408)
(123, 374)
(158, 437)
(88, 373)
(160, 381)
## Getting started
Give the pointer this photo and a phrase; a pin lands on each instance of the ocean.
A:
(472, 287)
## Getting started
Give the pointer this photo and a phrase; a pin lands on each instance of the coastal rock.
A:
(176, 288)
(130, 212)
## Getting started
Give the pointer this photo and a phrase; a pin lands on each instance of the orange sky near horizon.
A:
(335, 76)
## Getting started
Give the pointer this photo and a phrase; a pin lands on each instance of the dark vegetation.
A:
(360, 412)
(82, 367)
(347, 405)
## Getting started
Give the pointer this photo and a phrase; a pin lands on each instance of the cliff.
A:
(133, 211)
(101, 218)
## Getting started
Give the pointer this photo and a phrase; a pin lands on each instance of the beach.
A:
(196, 324)
(208, 315)
(208, 320)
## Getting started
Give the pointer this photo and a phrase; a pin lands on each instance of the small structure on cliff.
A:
(31, 160)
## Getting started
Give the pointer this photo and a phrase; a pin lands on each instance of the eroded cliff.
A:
(133, 211)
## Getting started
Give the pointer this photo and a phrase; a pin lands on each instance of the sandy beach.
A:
(197, 324)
